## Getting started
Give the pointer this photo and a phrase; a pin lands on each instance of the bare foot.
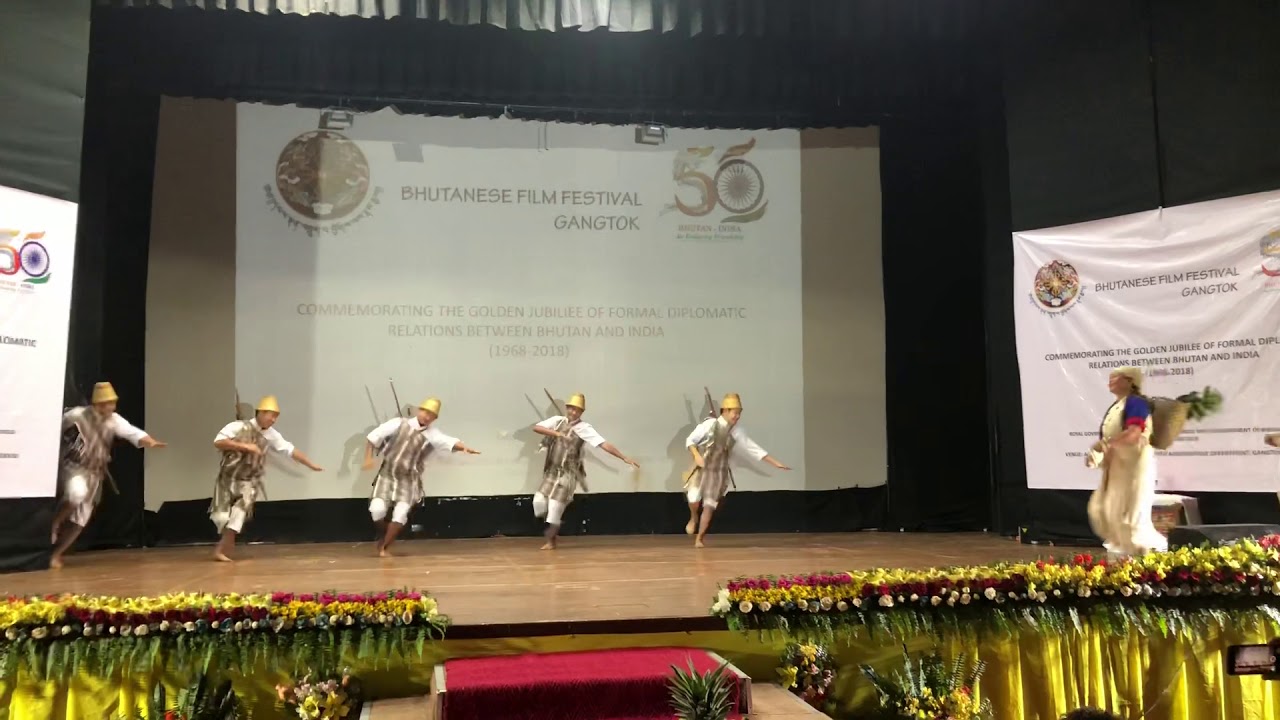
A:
(55, 562)
(690, 527)
(698, 543)
(221, 556)
(384, 552)
(549, 545)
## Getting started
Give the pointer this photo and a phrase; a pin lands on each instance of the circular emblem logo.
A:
(322, 176)
(1269, 246)
(1057, 286)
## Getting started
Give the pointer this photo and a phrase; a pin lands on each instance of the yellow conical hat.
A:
(731, 401)
(431, 405)
(577, 400)
(268, 404)
(103, 392)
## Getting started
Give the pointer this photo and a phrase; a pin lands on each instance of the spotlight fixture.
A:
(336, 119)
(651, 134)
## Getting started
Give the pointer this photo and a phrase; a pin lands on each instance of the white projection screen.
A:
(483, 260)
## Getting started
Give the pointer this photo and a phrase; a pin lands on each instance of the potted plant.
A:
(701, 696)
(930, 689)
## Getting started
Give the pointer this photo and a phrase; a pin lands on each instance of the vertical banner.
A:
(1191, 295)
(37, 251)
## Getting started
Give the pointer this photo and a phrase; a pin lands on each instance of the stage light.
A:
(336, 119)
(651, 134)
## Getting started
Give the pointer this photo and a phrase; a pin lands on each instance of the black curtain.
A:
(935, 360)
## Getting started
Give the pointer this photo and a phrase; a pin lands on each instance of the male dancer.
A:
(85, 463)
(399, 483)
(563, 471)
(244, 444)
(710, 444)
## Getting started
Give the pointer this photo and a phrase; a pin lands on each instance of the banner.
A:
(37, 254)
(481, 261)
(1189, 294)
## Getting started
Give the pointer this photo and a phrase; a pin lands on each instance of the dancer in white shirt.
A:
(711, 444)
(398, 487)
(84, 465)
(244, 444)
(563, 471)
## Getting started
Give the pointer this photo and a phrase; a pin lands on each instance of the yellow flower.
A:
(788, 675)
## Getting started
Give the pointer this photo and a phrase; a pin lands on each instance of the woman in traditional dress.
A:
(1120, 509)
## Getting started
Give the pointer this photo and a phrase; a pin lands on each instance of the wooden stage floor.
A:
(508, 581)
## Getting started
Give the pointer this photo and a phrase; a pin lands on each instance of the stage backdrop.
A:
(37, 253)
(483, 260)
(1189, 294)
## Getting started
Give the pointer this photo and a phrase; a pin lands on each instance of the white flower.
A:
(886, 601)
(765, 606)
(842, 606)
(826, 603)
(1083, 591)
(11, 634)
(189, 627)
(951, 601)
(348, 621)
(722, 604)
(1057, 593)
(814, 606)
(936, 600)
(238, 626)
(1013, 595)
(164, 626)
(914, 597)
(214, 624)
(964, 599)
(954, 596)
(1126, 591)
(140, 630)
(744, 606)
(39, 633)
(901, 599)
(989, 593)
(88, 631)
(66, 630)
(112, 630)
(857, 602)
(1041, 597)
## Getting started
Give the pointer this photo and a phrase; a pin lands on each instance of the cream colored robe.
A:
(1120, 509)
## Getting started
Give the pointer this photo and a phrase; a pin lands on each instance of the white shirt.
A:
(119, 426)
(740, 439)
(581, 428)
(275, 440)
(438, 440)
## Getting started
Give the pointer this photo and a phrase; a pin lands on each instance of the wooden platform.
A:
(509, 581)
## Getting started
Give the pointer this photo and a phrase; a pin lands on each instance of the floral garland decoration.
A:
(62, 632)
(331, 698)
(928, 690)
(1179, 591)
(808, 671)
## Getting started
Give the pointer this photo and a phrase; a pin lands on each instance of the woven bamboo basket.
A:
(1168, 417)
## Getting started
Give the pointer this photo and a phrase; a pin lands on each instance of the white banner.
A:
(37, 254)
(483, 260)
(1191, 295)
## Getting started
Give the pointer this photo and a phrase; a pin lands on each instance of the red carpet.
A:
(605, 685)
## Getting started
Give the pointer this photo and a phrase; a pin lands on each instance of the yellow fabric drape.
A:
(1029, 675)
